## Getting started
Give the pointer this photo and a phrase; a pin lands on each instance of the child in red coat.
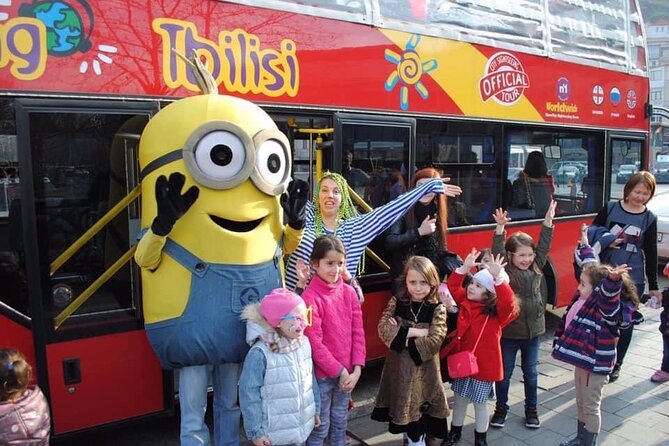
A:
(486, 305)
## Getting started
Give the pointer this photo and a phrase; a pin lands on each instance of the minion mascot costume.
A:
(213, 171)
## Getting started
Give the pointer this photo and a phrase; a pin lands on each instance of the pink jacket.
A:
(336, 334)
(26, 421)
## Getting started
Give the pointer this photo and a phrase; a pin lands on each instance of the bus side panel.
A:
(19, 337)
(121, 378)
(372, 308)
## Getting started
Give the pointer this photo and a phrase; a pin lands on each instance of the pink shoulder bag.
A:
(463, 364)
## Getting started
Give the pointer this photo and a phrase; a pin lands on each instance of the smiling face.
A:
(639, 195)
(523, 257)
(329, 197)
(417, 286)
(331, 267)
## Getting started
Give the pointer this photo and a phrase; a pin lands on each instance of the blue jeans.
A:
(665, 353)
(529, 354)
(334, 414)
(193, 384)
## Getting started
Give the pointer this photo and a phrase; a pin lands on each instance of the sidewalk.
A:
(635, 411)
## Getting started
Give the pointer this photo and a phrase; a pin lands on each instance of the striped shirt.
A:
(589, 341)
(358, 232)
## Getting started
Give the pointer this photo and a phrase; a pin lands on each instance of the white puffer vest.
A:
(287, 397)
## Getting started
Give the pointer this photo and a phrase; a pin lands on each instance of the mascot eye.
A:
(271, 162)
(220, 154)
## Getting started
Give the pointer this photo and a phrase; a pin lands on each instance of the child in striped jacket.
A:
(605, 300)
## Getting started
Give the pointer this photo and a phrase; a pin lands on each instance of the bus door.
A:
(376, 154)
(626, 156)
(66, 245)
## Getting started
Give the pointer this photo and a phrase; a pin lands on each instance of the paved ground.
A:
(635, 410)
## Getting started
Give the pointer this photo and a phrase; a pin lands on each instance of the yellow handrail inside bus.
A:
(93, 287)
(93, 230)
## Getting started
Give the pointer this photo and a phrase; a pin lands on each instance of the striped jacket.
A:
(358, 232)
(589, 342)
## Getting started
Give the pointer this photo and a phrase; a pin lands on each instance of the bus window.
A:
(13, 283)
(625, 159)
(375, 162)
(570, 170)
(89, 159)
(465, 152)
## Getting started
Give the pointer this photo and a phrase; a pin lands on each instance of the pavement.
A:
(635, 411)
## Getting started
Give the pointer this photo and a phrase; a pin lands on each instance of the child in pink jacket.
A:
(337, 338)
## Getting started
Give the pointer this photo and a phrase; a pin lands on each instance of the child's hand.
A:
(302, 270)
(470, 261)
(351, 380)
(496, 266)
(550, 214)
(584, 235)
(617, 271)
(317, 421)
(501, 217)
(342, 378)
(417, 332)
(392, 321)
(262, 441)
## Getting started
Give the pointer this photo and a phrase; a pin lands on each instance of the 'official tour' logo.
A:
(504, 80)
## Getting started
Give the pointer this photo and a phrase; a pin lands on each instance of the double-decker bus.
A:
(370, 88)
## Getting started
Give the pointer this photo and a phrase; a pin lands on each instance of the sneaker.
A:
(615, 373)
(532, 418)
(498, 418)
(660, 376)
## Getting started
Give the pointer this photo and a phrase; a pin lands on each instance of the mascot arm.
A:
(291, 238)
(149, 250)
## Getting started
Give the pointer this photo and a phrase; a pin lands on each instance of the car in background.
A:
(661, 171)
(625, 171)
(566, 174)
(660, 207)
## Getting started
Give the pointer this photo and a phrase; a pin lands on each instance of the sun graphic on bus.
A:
(409, 71)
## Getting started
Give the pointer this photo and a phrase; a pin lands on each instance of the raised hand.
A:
(294, 203)
(617, 271)
(584, 235)
(470, 261)
(496, 266)
(302, 270)
(501, 217)
(428, 226)
(550, 214)
(172, 205)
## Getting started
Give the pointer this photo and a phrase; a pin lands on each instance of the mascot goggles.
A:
(220, 155)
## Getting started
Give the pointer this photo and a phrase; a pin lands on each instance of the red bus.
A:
(379, 86)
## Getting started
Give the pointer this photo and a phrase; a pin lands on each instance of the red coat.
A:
(470, 323)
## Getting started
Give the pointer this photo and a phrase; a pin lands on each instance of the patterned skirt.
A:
(477, 391)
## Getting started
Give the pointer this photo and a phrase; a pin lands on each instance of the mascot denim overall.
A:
(209, 340)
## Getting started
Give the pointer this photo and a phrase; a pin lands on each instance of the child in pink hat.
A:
(278, 392)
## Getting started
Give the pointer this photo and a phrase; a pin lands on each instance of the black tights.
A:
(623, 343)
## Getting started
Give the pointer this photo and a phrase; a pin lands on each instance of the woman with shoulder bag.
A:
(635, 228)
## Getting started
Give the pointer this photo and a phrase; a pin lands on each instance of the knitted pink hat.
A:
(277, 304)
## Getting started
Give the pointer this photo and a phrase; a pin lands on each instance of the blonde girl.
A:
(411, 396)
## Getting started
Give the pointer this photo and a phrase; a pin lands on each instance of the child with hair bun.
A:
(586, 338)
(24, 411)
(278, 392)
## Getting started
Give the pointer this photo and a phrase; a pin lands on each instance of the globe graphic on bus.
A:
(64, 28)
